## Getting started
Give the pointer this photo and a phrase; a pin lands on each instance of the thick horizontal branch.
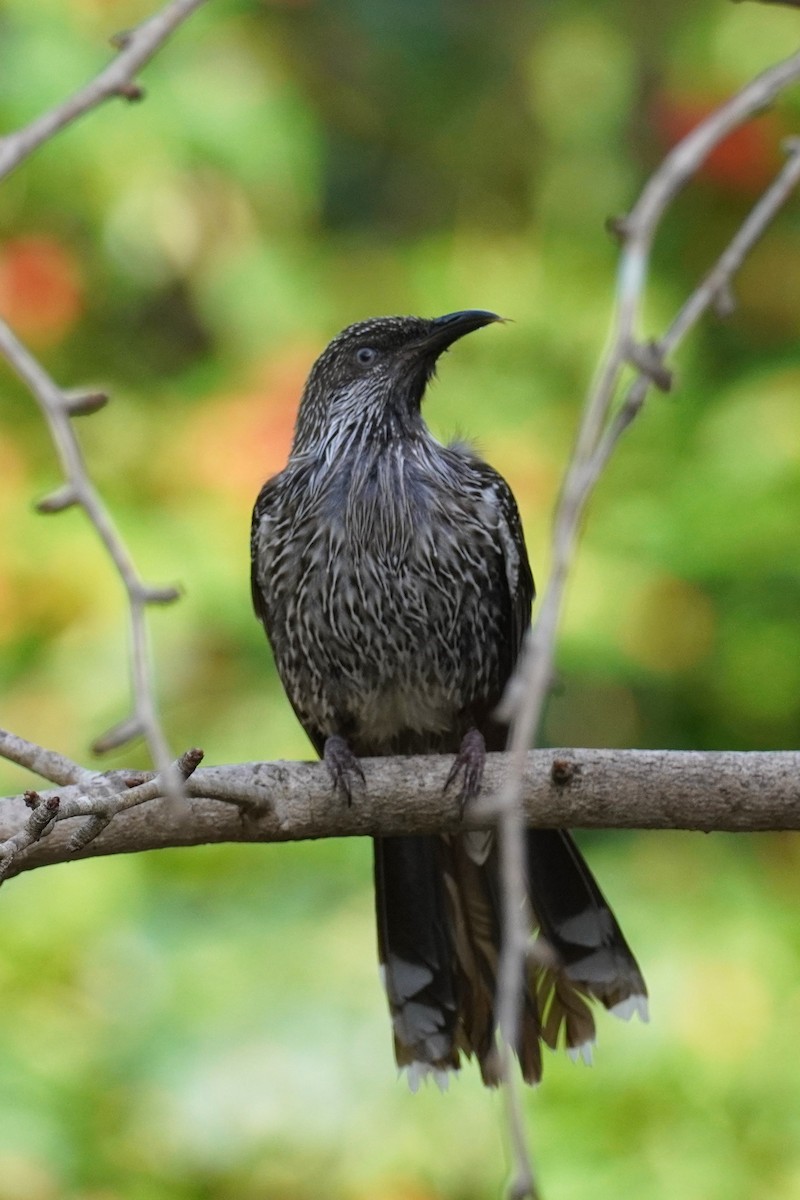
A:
(291, 801)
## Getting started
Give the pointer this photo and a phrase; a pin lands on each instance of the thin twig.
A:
(99, 799)
(79, 489)
(716, 284)
(137, 47)
(528, 690)
(523, 1184)
(48, 764)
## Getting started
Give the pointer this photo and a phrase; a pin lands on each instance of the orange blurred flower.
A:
(238, 440)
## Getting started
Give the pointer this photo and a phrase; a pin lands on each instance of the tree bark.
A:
(589, 789)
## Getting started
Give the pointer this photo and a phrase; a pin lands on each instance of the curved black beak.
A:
(449, 328)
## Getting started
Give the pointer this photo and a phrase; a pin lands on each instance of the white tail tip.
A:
(582, 1052)
(626, 1009)
(417, 1073)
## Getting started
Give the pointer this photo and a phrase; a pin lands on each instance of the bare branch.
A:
(79, 489)
(292, 801)
(523, 1184)
(137, 47)
(718, 282)
(715, 288)
(596, 438)
(599, 433)
(99, 798)
(48, 764)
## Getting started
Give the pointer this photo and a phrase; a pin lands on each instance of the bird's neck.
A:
(363, 433)
(368, 479)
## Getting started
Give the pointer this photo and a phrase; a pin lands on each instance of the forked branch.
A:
(600, 430)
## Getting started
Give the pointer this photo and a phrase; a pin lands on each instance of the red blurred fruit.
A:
(41, 295)
(744, 162)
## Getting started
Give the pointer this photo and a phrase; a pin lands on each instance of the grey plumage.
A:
(391, 576)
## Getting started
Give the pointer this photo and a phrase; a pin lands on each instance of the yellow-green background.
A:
(207, 1024)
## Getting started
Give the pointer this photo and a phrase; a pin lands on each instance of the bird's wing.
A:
(521, 587)
(261, 514)
(516, 567)
(266, 515)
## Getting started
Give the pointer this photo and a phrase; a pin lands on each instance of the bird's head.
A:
(374, 374)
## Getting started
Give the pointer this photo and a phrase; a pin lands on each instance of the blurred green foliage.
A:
(208, 1024)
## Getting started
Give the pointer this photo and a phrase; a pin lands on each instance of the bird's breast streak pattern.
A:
(387, 606)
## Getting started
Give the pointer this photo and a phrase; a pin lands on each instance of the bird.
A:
(390, 573)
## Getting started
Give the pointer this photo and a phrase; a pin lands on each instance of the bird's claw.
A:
(470, 760)
(343, 766)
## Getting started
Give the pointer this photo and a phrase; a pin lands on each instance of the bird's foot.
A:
(470, 760)
(342, 765)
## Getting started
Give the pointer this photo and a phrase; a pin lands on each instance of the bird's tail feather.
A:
(439, 931)
(576, 921)
(472, 883)
(416, 952)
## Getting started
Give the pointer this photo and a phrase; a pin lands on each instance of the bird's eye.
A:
(365, 355)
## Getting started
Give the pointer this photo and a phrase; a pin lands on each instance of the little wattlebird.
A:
(391, 576)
